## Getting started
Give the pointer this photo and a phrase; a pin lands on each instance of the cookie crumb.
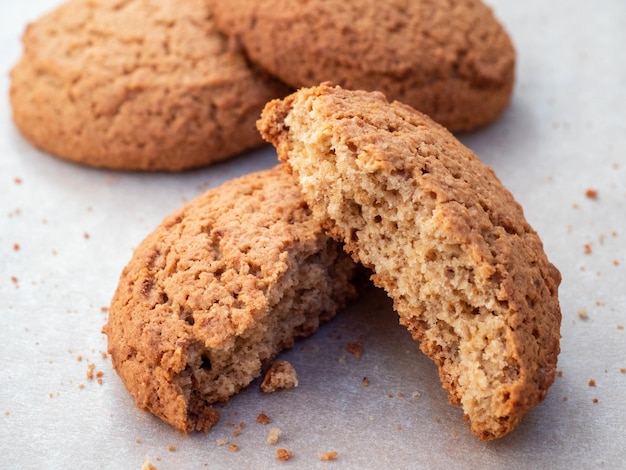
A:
(17, 180)
(273, 436)
(147, 465)
(281, 375)
(588, 250)
(592, 383)
(221, 442)
(365, 381)
(328, 456)
(233, 447)
(283, 454)
(138, 441)
(355, 349)
(81, 386)
(623, 370)
(583, 314)
(16, 246)
(559, 373)
(263, 418)
(416, 394)
(595, 400)
(591, 194)
(86, 235)
(90, 369)
(171, 448)
(620, 327)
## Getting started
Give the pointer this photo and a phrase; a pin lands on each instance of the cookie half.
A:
(451, 60)
(217, 291)
(136, 85)
(445, 239)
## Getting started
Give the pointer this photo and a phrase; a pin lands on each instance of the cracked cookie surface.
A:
(217, 291)
(136, 85)
(443, 236)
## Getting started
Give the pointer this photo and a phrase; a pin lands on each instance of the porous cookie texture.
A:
(468, 275)
(136, 85)
(451, 60)
(217, 291)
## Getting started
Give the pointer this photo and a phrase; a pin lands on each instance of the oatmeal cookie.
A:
(451, 60)
(443, 236)
(217, 291)
(136, 85)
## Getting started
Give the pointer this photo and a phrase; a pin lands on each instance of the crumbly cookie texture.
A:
(451, 60)
(445, 239)
(217, 291)
(136, 85)
(279, 376)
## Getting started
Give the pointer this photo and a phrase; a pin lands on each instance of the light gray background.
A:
(564, 133)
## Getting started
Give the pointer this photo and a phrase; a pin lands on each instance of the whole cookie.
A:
(445, 239)
(217, 291)
(451, 60)
(136, 85)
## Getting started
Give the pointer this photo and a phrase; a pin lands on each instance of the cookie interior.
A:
(467, 274)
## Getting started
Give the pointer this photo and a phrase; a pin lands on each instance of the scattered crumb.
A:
(283, 454)
(355, 349)
(615, 262)
(595, 400)
(7, 413)
(400, 395)
(14, 279)
(16, 246)
(17, 180)
(623, 370)
(138, 441)
(620, 327)
(273, 436)
(592, 383)
(587, 248)
(90, 369)
(281, 375)
(263, 418)
(582, 314)
(591, 194)
(233, 447)
(559, 373)
(171, 448)
(564, 398)
(104, 309)
(328, 456)
(79, 357)
(365, 382)
(81, 386)
(221, 442)
(86, 235)
(416, 394)
(342, 360)
(147, 465)
(437, 420)
(104, 355)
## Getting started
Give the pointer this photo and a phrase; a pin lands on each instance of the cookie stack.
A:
(370, 175)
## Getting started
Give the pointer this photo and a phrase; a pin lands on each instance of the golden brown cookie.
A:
(445, 239)
(217, 291)
(451, 60)
(136, 85)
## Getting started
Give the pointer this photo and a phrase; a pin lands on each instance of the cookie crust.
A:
(136, 85)
(217, 291)
(445, 239)
(451, 60)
